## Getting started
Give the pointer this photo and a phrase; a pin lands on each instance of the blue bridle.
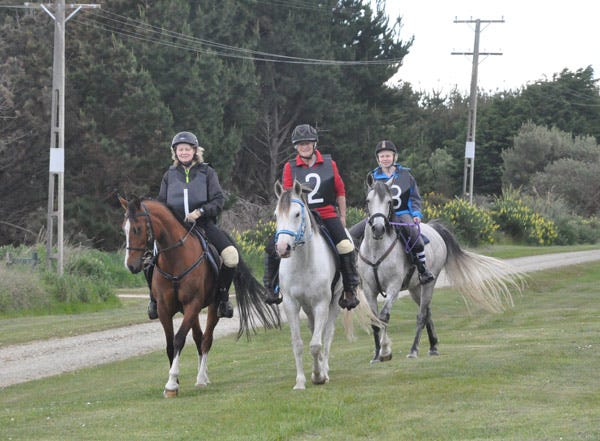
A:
(299, 236)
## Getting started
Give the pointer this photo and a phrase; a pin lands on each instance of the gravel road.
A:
(40, 359)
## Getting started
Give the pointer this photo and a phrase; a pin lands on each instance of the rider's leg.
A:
(230, 258)
(425, 276)
(350, 278)
(347, 255)
(357, 232)
(148, 272)
(270, 278)
(411, 236)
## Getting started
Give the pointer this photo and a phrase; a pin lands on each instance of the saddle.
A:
(213, 255)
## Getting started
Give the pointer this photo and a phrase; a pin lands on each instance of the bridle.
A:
(150, 240)
(300, 236)
(152, 244)
(375, 265)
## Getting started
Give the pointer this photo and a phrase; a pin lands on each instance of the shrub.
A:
(520, 221)
(470, 223)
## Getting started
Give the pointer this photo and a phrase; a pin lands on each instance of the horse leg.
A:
(433, 340)
(328, 338)
(207, 341)
(385, 353)
(173, 383)
(172, 387)
(321, 315)
(377, 344)
(202, 377)
(292, 312)
(422, 318)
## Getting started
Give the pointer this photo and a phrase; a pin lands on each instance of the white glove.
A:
(191, 217)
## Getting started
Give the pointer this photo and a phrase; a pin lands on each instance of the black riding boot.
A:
(271, 279)
(425, 275)
(350, 280)
(152, 310)
(225, 309)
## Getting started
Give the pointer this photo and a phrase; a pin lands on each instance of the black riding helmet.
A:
(385, 145)
(304, 132)
(184, 137)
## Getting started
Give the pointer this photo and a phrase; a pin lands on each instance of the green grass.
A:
(514, 251)
(527, 374)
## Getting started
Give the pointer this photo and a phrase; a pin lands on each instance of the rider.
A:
(191, 189)
(407, 204)
(312, 168)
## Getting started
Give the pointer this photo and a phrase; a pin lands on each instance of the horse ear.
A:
(278, 188)
(370, 180)
(297, 187)
(389, 182)
(123, 202)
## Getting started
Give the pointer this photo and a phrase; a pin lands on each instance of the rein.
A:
(407, 248)
(176, 279)
(299, 236)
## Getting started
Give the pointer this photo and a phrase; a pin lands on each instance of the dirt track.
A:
(40, 359)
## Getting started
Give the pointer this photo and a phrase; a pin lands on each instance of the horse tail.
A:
(250, 296)
(482, 280)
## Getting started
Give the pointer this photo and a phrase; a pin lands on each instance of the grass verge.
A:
(527, 374)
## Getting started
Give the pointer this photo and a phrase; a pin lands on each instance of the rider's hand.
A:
(191, 217)
(417, 220)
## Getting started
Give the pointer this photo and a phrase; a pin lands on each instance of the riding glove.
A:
(192, 216)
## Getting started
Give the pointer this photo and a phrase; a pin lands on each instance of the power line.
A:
(127, 27)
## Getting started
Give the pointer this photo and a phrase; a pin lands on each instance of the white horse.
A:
(308, 280)
(386, 269)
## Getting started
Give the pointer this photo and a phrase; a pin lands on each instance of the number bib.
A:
(320, 179)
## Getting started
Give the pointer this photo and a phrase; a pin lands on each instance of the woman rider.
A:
(320, 173)
(407, 204)
(191, 189)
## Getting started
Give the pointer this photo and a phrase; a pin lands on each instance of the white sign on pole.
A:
(470, 149)
(57, 160)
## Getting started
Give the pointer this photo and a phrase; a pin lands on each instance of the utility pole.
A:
(469, 169)
(56, 184)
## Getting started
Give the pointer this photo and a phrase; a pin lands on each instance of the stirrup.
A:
(426, 277)
(225, 310)
(273, 297)
(152, 310)
(350, 303)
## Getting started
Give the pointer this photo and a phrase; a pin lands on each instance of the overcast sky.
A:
(538, 39)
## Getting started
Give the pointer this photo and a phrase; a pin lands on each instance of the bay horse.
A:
(308, 281)
(385, 268)
(184, 281)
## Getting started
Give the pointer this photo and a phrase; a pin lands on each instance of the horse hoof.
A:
(385, 357)
(375, 360)
(170, 393)
(434, 352)
(412, 355)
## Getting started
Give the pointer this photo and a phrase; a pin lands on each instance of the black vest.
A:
(196, 188)
(320, 179)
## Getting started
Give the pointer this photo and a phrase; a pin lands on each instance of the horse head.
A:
(138, 233)
(294, 224)
(379, 207)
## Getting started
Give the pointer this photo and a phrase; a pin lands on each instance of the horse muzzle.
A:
(284, 250)
(378, 231)
(135, 267)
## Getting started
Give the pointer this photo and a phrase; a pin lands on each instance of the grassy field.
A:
(527, 374)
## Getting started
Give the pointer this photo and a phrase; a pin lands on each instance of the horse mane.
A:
(380, 188)
(285, 202)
